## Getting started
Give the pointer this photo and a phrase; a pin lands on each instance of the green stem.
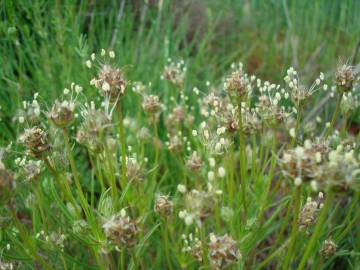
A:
(75, 173)
(318, 229)
(100, 174)
(294, 229)
(269, 180)
(122, 259)
(28, 243)
(345, 125)
(242, 162)
(63, 183)
(40, 203)
(123, 145)
(111, 176)
(156, 144)
(133, 255)
(273, 255)
(166, 240)
(204, 246)
(231, 179)
(156, 135)
(334, 117)
(348, 217)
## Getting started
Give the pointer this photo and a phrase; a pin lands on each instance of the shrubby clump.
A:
(199, 175)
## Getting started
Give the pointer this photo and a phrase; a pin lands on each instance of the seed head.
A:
(175, 144)
(237, 83)
(194, 162)
(96, 125)
(193, 246)
(199, 205)
(345, 78)
(163, 206)
(175, 73)
(134, 170)
(223, 251)
(111, 82)
(309, 213)
(121, 230)
(31, 170)
(62, 113)
(328, 248)
(151, 104)
(36, 141)
(144, 134)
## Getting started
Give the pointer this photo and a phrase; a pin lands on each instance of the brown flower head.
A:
(151, 104)
(345, 78)
(95, 127)
(237, 83)
(121, 230)
(223, 251)
(163, 206)
(194, 162)
(110, 81)
(328, 248)
(62, 113)
(36, 141)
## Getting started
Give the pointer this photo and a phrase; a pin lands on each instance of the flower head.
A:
(163, 206)
(62, 113)
(111, 82)
(36, 141)
(328, 248)
(121, 230)
(223, 251)
(345, 78)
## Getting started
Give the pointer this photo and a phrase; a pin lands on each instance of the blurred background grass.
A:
(44, 43)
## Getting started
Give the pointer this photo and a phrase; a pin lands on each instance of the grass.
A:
(64, 218)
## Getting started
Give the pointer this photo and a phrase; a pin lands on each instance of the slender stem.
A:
(123, 145)
(284, 223)
(273, 255)
(231, 179)
(348, 217)
(166, 240)
(63, 183)
(111, 176)
(335, 115)
(27, 241)
(100, 174)
(242, 162)
(294, 229)
(156, 149)
(345, 125)
(40, 203)
(75, 173)
(204, 246)
(317, 232)
(122, 259)
(156, 143)
(133, 255)
(269, 180)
